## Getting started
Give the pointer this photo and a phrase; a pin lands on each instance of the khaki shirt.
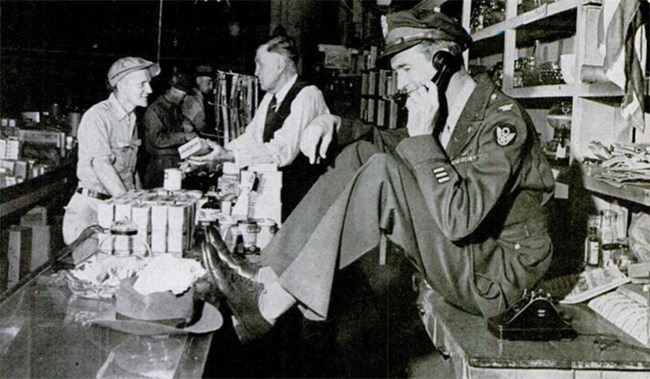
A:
(106, 130)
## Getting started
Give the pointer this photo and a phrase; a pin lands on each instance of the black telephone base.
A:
(531, 318)
(530, 334)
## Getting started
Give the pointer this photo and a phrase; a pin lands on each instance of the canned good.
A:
(249, 230)
(268, 228)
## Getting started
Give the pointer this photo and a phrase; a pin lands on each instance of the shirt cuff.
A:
(236, 152)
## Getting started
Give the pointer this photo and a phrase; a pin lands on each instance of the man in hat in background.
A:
(164, 130)
(108, 144)
(459, 194)
(196, 107)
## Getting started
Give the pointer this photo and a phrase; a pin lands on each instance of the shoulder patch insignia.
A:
(506, 107)
(505, 135)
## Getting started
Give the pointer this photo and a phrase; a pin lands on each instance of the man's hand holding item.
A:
(217, 154)
(318, 135)
(422, 105)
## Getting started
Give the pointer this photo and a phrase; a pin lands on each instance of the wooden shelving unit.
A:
(636, 193)
(541, 13)
(565, 27)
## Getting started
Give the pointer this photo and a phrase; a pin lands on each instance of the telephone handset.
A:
(446, 65)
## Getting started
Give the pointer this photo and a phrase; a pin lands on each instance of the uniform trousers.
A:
(368, 193)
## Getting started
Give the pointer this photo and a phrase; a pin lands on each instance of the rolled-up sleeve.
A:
(284, 147)
(93, 136)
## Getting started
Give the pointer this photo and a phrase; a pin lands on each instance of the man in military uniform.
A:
(164, 131)
(460, 193)
(198, 112)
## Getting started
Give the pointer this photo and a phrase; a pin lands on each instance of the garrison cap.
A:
(124, 66)
(408, 28)
(182, 82)
(204, 70)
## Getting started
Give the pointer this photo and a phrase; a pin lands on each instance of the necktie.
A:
(443, 112)
(270, 114)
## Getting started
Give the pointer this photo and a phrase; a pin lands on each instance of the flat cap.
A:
(408, 28)
(124, 66)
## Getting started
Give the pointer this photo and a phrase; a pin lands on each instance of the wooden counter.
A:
(475, 353)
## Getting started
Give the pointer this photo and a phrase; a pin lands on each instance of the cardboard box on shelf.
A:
(19, 251)
(35, 216)
(41, 246)
(12, 150)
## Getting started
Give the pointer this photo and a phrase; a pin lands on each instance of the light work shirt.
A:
(107, 130)
(284, 147)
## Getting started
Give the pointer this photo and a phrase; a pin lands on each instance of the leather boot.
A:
(240, 265)
(242, 295)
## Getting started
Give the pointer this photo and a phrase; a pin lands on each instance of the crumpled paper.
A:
(168, 273)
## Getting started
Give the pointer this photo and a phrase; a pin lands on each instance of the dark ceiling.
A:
(190, 28)
(59, 51)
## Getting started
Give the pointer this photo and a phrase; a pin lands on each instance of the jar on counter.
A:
(123, 241)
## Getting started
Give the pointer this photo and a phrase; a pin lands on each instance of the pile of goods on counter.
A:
(143, 295)
(149, 262)
(619, 163)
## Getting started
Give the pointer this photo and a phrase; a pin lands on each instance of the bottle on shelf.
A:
(607, 236)
(622, 256)
(592, 242)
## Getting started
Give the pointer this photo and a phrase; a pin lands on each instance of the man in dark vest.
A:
(274, 134)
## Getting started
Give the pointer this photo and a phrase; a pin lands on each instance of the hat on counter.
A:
(124, 66)
(182, 82)
(408, 28)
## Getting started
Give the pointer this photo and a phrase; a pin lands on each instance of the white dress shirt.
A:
(284, 147)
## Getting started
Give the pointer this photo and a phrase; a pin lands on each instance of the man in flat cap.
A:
(164, 131)
(459, 194)
(108, 144)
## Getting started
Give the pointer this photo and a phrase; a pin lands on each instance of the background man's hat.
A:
(204, 70)
(182, 82)
(408, 28)
(124, 66)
